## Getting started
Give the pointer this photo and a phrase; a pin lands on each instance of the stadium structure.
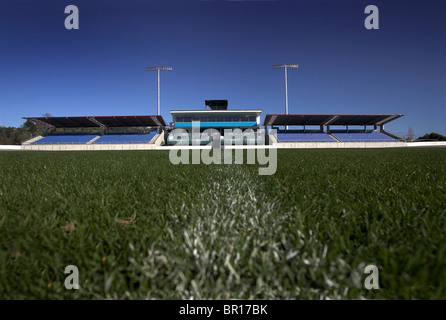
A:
(212, 121)
(98, 133)
(332, 130)
(150, 132)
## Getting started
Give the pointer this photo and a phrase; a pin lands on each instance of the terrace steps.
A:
(32, 140)
(153, 140)
(94, 139)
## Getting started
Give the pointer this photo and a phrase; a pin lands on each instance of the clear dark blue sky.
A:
(224, 50)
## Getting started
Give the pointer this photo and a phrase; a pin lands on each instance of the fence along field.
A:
(137, 226)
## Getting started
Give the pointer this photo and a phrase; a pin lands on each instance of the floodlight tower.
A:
(285, 66)
(158, 69)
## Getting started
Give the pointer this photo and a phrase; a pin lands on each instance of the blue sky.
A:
(224, 50)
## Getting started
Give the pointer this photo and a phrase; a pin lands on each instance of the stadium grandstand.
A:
(151, 132)
(98, 133)
(332, 130)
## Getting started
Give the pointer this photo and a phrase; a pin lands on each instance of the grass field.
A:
(138, 227)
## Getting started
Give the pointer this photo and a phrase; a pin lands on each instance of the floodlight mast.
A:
(158, 69)
(285, 66)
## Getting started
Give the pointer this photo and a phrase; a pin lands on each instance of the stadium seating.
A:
(301, 136)
(125, 138)
(361, 136)
(66, 139)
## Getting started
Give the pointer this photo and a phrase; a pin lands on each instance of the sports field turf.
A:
(137, 226)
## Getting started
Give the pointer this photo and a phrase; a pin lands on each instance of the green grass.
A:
(144, 228)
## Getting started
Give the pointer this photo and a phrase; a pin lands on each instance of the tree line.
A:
(432, 137)
(13, 135)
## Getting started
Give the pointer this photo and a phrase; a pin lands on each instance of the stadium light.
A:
(160, 68)
(285, 66)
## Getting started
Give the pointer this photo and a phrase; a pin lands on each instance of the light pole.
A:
(158, 69)
(285, 66)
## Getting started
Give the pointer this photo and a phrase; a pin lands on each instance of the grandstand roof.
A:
(99, 121)
(328, 119)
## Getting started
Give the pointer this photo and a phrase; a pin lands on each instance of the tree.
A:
(16, 136)
(432, 136)
(410, 134)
